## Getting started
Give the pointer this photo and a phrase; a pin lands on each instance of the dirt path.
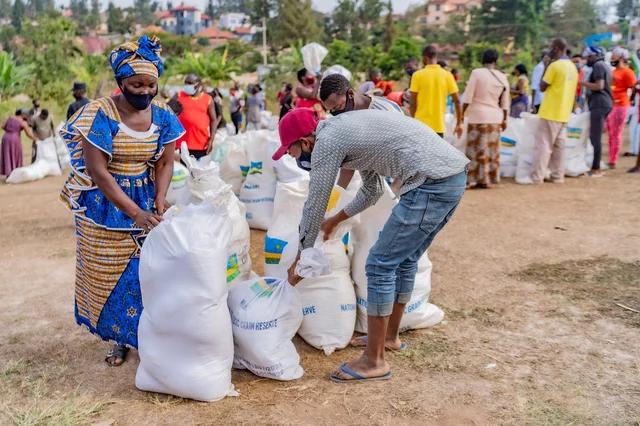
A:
(529, 277)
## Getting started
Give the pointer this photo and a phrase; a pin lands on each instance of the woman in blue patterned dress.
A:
(122, 160)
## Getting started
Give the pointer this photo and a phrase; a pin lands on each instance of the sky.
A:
(399, 6)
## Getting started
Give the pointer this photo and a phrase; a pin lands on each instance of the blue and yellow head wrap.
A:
(137, 57)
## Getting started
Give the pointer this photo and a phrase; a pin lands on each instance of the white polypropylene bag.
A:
(285, 168)
(524, 148)
(185, 341)
(576, 145)
(338, 69)
(449, 134)
(64, 158)
(231, 156)
(508, 143)
(418, 313)
(259, 187)
(204, 184)
(178, 192)
(46, 164)
(266, 313)
(312, 56)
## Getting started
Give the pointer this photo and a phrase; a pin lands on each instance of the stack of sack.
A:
(185, 339)
(46, 164)
(328, 301)
(418, 312)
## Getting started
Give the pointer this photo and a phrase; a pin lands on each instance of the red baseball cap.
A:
(296, 124)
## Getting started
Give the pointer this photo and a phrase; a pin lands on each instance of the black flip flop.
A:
(356, 377)
(118, 351)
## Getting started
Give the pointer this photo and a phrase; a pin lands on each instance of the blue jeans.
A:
(414, 222)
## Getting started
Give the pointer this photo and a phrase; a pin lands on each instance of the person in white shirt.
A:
(536, 77)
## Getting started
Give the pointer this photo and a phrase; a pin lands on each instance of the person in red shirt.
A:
(198, 117)
(307, 91)
(624, 80)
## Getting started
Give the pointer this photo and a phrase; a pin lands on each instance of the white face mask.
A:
(190, 89)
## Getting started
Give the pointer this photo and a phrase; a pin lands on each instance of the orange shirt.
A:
(195, 120)
(623, 80)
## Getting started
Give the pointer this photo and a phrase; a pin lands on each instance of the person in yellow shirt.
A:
(429, 90)
(559, 86)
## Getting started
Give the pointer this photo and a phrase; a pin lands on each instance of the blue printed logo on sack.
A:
(255, 168)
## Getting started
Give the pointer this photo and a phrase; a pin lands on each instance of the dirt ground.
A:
(537, 284)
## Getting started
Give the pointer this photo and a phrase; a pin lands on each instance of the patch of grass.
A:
(14, 367)
(430, 349)
(603, 282)
(551, 413)
(70, 410)
(164, 401)
(486, 316)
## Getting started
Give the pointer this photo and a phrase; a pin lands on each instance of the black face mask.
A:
(410, 71)
(304, 161)
(139, 102)
(348, 106)
(615, 63)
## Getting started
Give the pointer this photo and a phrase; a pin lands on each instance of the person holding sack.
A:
(486, 99)
(376, 143)
(121, 151)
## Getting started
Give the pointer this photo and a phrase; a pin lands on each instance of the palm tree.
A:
(13, 77)
(212, 66)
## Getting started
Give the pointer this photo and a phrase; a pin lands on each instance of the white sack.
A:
(418, 312)
(231, 156)
(338, 69)
(64, 158)
(46, 164)
(509, 140)
(286, 168)
(524, 148)
(449, 133)
(178, 192)
(266, 313)
(312, 56)
(204, 184)
(185, 341)
(577, 144)
(259, 187)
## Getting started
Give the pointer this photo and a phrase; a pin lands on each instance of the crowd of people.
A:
(122, 151)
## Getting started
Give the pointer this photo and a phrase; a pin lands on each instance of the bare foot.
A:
(363, 368)
(395, 344)
(116, 355)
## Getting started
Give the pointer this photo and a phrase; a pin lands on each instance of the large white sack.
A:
(185, 340)
(312, 56)
(329, 302)
(259, 187)
(449, 134)
(231, 156)
(266, 313)
(418, 312)
(524, 148)
(46, 164)
(178, 192)
(508, 152)
(281, 240)
(64, 158)
(205, 184)
(576, 145)
(338, 69)
(286, 168)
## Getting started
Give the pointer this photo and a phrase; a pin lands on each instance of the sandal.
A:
(118, 351)
(355, 377)
(364, 339)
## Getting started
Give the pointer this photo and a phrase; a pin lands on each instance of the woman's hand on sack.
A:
(458, 131)
(161, 206)
(294, 278)
(146, 220)
(503, 125)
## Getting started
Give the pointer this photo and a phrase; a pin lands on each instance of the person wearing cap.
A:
(623, 82)
(433, 178)
(559, 84)
(122, 151)
(79, 91)
(599, 99)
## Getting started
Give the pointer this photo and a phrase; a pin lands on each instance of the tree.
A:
(624, 8)
(389, 28)
(93, 70)
(211, 10)
(93, 19)
(17, 15)
(143, 12)
(369, 12)
(13, 77)
(344, 17)
(212, 66)
(341, 53)
(296, 21)
(116, 22)
(5, 9)
(575, 19)
(402, 49)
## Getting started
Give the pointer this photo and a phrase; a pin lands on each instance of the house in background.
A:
(215, 36)
(184, 20)
(438, 12)
(231, 21)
